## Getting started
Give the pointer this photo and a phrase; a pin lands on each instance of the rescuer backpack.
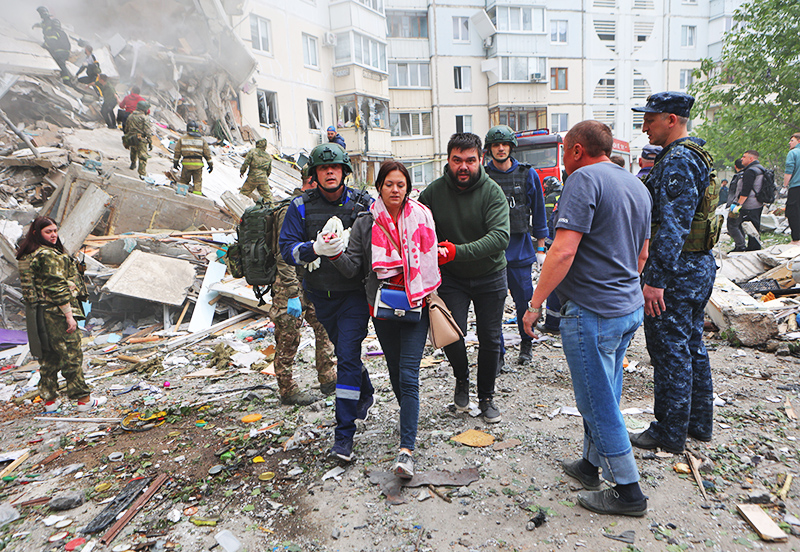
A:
(768, 191)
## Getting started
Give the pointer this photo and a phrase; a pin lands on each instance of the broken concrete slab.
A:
(152, 278)
(84, 217)
(734, 310)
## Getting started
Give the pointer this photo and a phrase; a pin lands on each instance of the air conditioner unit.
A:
(329, 39)
(536, 77)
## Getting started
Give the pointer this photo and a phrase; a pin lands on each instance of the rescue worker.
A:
(678, 278)
(340, 302)
(258, 165)
(53, 289)
(552, 193)
(527, 217)
(109, 101)
(193, 148)
(57, 43)
(289, 307)
(128, 105)
(336, 138)
(139, 137)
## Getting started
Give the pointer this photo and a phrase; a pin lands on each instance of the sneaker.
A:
(52, 406)
(608, 501)
(328, 389)
(490, 413)
(342, 450)
(93, 402)
(363, 407)
(301, 398)
(404, 466)
(461, 395)
(589, 482)
(525, 352)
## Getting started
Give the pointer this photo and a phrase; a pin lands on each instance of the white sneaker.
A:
(50, 408)
(404, 466)
(93, 403)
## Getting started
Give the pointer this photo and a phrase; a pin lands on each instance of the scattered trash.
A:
(626, 536)
(228, 541)
(474, 438)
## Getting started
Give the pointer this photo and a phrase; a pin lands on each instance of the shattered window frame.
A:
(310, 50)
(350, 106)
(267, 107)
(346, 110)
(314, 108)
(257, 41)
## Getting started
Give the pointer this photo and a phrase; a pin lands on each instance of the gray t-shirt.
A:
(611, 208)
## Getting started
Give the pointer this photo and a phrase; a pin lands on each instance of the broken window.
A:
(267, 107)
(260, 33)
(346, 108)
(314, 115)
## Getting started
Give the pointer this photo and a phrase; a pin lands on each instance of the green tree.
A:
(750, 99)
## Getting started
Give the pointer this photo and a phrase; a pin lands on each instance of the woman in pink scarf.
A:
(394, 246)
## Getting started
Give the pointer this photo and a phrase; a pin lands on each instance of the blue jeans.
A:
(403, 344)
(345, 315)
(487, 295)
(595, 347)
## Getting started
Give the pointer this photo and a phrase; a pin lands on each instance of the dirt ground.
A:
(298, 504)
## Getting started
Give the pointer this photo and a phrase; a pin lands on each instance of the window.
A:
(519, 118)
(421, 172)
(460, 29)
(558, 31)
(411, 124)
(687, 78)
(558, 122)
(314, 115)
(463, 123)
(342, 53)
(522, 69)
(462, 78)
(519, 19)
(688, 36)
(267, 107)
(368, 52)
(409, 75)
(260, 33)
(310, 51)
(558, 78)
(406, 25)
(376, 5)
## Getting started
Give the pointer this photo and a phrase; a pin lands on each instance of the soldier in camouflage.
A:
(678, 279)
(193, 148)
(139, 137)
(53, 289)
(259, 163)
(288, 305)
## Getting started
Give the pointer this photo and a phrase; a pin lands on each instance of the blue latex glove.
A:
(294, 307)
(735, 208)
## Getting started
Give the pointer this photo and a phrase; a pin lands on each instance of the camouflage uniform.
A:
(260, 164)
(287, 327)
(50, 279)
(193, 148)
(683, 391)
(139, 135)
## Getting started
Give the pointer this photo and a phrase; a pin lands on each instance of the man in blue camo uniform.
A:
(677, 282)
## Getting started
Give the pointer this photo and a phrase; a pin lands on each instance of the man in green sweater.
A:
(472, 225)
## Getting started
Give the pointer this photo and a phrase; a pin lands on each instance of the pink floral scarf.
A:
(416, 258)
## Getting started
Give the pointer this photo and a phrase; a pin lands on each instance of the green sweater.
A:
(475, 219)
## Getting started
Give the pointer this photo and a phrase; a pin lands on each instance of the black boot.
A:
(525, 352)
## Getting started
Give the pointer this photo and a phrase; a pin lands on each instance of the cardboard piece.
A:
(474, 438)
(153, 278)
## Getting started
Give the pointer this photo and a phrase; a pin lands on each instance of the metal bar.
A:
(134, 509)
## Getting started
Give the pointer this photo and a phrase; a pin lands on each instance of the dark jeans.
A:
(793, 211)
(107, 111)
(487, 295)
(403, 344)
(738, 235)
(122, 116)
(521, 287)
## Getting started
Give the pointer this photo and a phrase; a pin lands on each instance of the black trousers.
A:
(793, 212)
(107, 111)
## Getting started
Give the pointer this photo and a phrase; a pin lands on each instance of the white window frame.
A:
(310, 51)
(555, 31)
(261, 24)
(310, 103)
(409, 119)
(366, 51)
(688, 36)
(460, 29)
(405, 22)
(686, 78)
(268, 105)
(421, 172)
(531, 64)
(519, 19)
(556, 120)
(462, 78)
(410, 71)
(465, 121)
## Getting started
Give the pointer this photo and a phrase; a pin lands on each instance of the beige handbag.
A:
(443, 329)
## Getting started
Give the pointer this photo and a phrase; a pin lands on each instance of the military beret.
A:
(650, 151)
(676, 103)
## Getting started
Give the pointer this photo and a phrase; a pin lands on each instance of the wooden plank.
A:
(694, 464)
(195, 337)
(134, 509)
(767, 529)
(14, 465)
(83, 218)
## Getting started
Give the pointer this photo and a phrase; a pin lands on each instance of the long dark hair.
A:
(388, 166)
(33, 239)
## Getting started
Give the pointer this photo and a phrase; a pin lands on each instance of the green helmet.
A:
(500, 133)
(330, 154)
(142, 106)
(261, 143)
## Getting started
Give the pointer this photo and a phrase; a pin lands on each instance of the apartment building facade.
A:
(398, 77)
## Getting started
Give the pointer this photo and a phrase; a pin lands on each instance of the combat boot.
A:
(301, 398)
(328, 389)
(525, 352)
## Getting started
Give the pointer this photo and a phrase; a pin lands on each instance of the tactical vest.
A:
(192, 151)
(317, 212)
(706, 225)
(513, 184)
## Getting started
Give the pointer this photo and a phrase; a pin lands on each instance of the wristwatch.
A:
(536, 310)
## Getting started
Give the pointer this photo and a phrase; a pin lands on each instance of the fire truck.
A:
(545, 152)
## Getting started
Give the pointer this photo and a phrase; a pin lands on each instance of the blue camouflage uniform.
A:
(683, 392)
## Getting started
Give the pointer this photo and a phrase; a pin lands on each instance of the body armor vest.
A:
(513, 184)
(317, 212)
